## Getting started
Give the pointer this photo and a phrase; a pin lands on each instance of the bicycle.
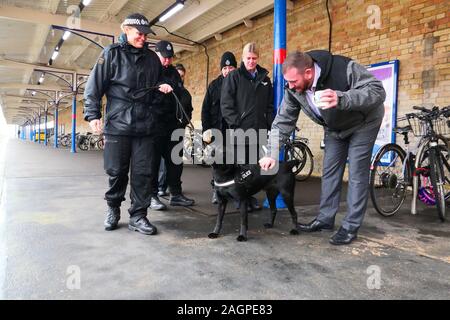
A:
(298, 149)
(394, 170)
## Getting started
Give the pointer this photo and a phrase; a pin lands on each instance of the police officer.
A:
(186, 101)
(122, 69)
(211, 114)
(168, 121)
(247, 103)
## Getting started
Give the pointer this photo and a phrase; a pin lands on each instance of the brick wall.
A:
(416, 32)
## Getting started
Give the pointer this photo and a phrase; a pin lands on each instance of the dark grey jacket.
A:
(361, 97)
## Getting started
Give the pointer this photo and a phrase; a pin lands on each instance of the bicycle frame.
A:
(424, 144)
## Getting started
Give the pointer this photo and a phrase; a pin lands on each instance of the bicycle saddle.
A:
(403, 130)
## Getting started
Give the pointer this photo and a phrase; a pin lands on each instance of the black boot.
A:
(142, 225)
(156, 204)
(162, 193)
(180, 200)
(112, 218)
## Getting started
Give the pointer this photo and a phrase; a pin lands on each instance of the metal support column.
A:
(55, 127)
(279, 55)
(45, 123)
(74, 113)
(39, 126)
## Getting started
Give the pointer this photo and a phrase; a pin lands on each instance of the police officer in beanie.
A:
(168, 122)
(122, 69)
(211, 114)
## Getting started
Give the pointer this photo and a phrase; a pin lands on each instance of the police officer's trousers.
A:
(128, 156)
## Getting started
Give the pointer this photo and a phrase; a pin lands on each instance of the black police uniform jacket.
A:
(211, 114)
(245, 102)
(168, 117)
(120, 70)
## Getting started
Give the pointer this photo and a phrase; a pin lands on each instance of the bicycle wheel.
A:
(437, 181)
(83, 143)
(425, 163)
(306, 168)
(388, 183)
(101, 143)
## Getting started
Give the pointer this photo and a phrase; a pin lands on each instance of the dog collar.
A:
(224, 184)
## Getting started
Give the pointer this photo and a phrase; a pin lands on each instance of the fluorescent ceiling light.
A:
(55, 54)
(86, 2)
(171, 12)
(66, 35)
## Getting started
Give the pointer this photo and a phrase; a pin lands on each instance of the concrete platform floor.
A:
(53, 246)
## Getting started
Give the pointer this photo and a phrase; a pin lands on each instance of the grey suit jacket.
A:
(366, 95)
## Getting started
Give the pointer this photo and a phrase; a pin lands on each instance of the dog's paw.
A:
(294, 232)
(268, 225)
(241, 238)
(213, 235)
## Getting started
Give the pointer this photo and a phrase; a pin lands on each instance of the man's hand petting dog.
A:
(267, 163)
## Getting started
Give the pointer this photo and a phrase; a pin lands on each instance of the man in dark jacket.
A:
(211, 113)
(350, 109)
(121, 70)
(186, 101)
(247, 103)
(169, 119)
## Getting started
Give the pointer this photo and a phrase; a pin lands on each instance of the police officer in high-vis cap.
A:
(167, 123)
(121, 71)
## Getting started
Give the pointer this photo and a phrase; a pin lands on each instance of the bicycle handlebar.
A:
(429, 114)
(421, 108)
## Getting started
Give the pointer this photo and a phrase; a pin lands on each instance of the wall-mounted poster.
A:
(387, 73)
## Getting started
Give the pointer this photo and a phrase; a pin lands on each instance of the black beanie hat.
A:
(228, 59)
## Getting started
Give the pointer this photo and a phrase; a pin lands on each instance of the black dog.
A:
(241, 182)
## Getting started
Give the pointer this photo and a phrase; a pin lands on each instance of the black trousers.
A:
(126, 156)
(162, 146)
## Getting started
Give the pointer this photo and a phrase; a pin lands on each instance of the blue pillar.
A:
(279, 55)
(73, 148)
(39, 126)
(55, 127)
(45, 127)
(32, 130)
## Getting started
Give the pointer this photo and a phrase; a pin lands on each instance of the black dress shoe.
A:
(112, 218)
(156, 204)
(180, 200)
(343, 236)
(142, 225)
(314, 226)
